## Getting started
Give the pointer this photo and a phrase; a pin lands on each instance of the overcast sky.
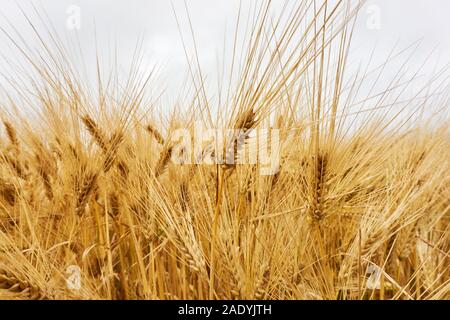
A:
(400, 21)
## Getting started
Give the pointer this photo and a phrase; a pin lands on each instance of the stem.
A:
(220, 178)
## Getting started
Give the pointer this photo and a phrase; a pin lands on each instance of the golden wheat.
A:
(353, 211)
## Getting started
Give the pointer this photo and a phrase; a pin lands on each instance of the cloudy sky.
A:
(400, 22)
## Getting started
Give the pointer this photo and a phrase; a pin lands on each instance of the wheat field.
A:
(358, 206)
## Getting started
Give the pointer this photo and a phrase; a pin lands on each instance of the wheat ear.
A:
(11, 133)
(316, 211)
(163, 160)
(84, 192)
(155, 133)
(95, 132)
(13, 284)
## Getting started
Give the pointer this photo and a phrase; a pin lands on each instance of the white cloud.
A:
(125, 21)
